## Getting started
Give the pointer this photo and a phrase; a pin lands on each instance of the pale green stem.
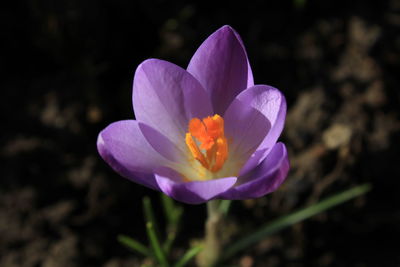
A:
(212, 243)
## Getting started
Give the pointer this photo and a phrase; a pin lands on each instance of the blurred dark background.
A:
(67, 69)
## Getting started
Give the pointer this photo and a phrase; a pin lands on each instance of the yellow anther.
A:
(209, 133)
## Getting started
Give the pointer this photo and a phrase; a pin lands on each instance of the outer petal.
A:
(166, 97)
(270, 102)
(266, 178)
(250, 79)
(170, 182)
(125, 149)
(245, 128)
(221, 66)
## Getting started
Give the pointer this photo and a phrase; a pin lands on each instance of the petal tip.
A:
(101, 145)
(226, 28)
(146, 62)
(227, 31)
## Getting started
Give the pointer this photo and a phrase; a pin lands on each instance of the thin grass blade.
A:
(134, 245)
(149, 214)
(155, 245)
(172, 211)
(173, 214)
(169, 207)
(188, 256)
(295, 217)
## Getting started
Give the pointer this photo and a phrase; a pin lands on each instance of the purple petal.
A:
(123, 146)
(271, 102)
(245, 129)
(170, 182)
(250, 79)
(166, 97)
(162, 144)
(266, 178)
(220, 64)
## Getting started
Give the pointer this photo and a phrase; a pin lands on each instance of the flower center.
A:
(209, 134)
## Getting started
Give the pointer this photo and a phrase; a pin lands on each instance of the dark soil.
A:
(67, 69)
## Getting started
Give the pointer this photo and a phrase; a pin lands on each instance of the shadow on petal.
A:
(264, 179)
(166, 96)
(245, 127)
(162, 144)
(272, 104)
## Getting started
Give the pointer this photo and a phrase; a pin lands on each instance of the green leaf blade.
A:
(173, 213)
(295, 217)
(155, 244)
(134, 245)
(149, 214)
(188, 256)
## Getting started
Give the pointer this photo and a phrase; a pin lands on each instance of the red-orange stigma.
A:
(209, 132)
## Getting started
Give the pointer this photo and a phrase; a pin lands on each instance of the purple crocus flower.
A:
(202, 133)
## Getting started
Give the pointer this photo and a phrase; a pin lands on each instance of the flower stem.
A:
(213, 236)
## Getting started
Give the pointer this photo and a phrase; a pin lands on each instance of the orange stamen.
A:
(194, 149)
(221, 154)
(209, 133)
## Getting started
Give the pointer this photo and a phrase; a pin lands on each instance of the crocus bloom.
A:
(202, 133)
